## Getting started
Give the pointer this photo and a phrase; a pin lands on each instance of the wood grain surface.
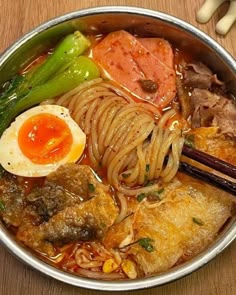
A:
(19, 16)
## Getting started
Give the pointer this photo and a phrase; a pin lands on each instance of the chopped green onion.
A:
(147, 167)
(2, 206)
(189, 140)
(160, 191)
(126, 175)
(198, 221)
(91, 187)
(145, 243)
(149, 183)
(140, 197)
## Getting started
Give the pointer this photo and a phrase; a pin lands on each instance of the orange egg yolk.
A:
(45, 139)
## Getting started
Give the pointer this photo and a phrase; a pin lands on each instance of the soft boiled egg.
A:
(40, 140)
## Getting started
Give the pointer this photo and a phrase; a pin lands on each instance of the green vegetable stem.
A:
(70, 48)
(82, 69)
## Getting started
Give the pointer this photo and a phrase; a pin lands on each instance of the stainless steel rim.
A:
(174, 274)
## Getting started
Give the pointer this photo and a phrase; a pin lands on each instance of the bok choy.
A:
(62, 71)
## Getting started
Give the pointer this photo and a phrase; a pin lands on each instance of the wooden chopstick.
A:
(210, 161)
(208, 177)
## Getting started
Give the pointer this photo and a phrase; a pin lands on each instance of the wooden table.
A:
(19, 16)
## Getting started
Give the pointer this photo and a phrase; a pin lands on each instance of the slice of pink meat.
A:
(161, 49)
(127, 62)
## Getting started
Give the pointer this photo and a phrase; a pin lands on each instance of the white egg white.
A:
(14, 161)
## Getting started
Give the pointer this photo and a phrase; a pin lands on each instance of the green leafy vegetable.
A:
(189, 140)
(61, 72)
(145, 243)
(81, 70)
(64, 54)
(140, 197)
(91, 187)
(14, 83)
(198, 221)
(2, 206)
(71, 47)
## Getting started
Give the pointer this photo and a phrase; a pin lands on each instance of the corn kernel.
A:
(129, 268)
(109, 265)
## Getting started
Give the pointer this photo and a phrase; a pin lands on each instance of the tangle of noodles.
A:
(124, 136)
(84, 260)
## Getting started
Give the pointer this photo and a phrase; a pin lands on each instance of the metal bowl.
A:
(145, 23)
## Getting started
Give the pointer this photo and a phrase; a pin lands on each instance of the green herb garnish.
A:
(156, 194)
(189, 140)
(140, 197)
(126, 175)
(160, 191)
(91, 187)
(147, 167)
(149, 183)
(198, 221)
(145, 243)
(2, 206)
